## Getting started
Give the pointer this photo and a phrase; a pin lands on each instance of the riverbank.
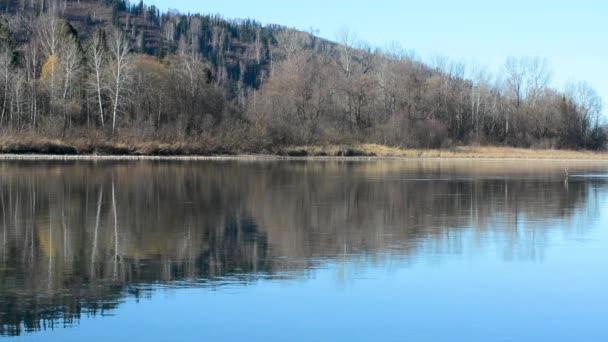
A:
(463, 152)
(55, 150)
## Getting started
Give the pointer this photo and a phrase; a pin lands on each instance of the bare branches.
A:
(97, 64)
(213, 80)
(120, 68)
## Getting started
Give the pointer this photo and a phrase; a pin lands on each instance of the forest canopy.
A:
(111, 76)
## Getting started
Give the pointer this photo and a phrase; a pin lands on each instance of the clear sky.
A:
(573, 35)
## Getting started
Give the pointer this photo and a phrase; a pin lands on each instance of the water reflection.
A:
(77, 238)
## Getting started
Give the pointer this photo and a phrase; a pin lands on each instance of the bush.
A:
(431, 133)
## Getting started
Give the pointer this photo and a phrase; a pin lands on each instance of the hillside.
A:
(112, 77)
(239, 51)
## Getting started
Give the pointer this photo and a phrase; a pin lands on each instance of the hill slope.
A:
(92, 72)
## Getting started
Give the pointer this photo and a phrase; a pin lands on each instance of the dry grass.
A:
(98, 144)
(30, 145)
(465, 152)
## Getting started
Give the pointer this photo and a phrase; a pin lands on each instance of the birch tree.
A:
(31, 59)
(7, 59)
(97, 63)
(119, 75)
(70, 60)
(51, 31)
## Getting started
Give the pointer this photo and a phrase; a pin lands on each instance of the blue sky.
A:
(573, 35)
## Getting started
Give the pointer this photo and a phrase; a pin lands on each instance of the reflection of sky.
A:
(477, 295)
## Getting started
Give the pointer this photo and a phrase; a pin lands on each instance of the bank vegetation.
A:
(109, 77)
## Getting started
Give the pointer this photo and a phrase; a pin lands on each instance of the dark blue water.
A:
(303, 251)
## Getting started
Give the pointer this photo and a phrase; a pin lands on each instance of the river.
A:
(430, 250)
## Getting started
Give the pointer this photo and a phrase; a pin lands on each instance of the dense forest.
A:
(110, 76)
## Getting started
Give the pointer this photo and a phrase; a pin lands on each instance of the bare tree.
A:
(480, 97)
(51, 31)
(538, 76)
(291, 43)
(70, 59)
(19, 85)
(347, 40)
(97, 59)
(515, 71)
(6, 62)
(588, 102)
(8, 57)
(119, 74)
(31, 56)
(526, 78)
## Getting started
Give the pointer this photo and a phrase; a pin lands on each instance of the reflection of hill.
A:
(78, 237)
(366, 207)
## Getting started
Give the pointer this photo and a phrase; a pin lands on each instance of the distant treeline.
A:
(113, 71)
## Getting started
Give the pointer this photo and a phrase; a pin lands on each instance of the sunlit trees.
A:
(52, 33)
(70, 62)
(150, 90)
(248, 86)
(119, 74)
(588, 110)
(97, 64)
(198, 102)
(299, 97)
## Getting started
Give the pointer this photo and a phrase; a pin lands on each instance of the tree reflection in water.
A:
(79, 237)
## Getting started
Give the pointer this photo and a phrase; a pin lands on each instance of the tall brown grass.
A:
(468, 152)
(129, 143)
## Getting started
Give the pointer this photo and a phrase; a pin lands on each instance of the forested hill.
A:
(111, 76)
(238, 50)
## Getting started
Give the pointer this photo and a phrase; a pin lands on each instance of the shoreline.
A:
(77, 150)
(354, 152)
(271, 157)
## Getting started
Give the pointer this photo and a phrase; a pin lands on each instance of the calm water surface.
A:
(303, 251)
